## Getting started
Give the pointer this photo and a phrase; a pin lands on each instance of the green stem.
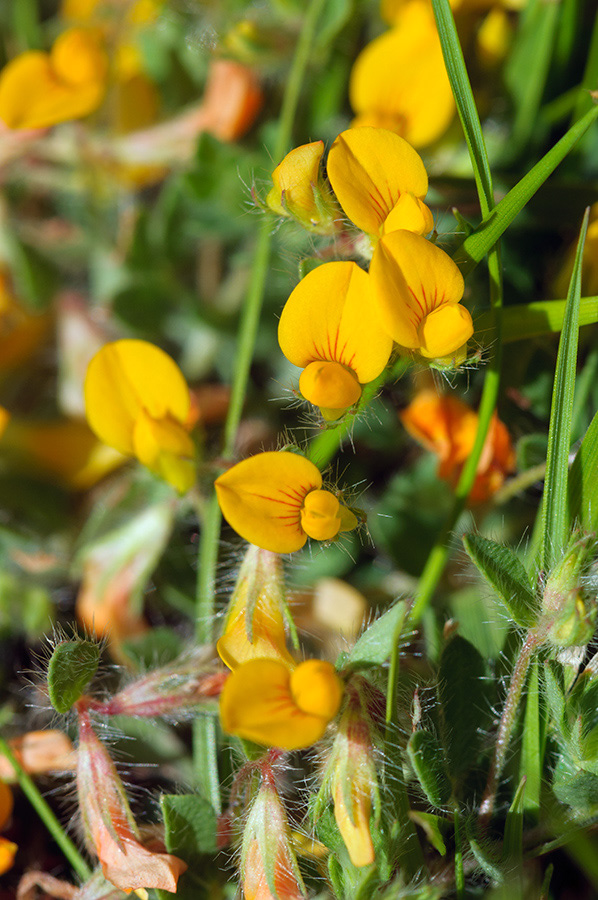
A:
(459, 874)
(439, 554)
(507, 721)
(30, 790)
(204, 743)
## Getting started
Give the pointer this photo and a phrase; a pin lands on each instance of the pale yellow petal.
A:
(330, 316)
(409, 214)
(369, 169)
(261, 498)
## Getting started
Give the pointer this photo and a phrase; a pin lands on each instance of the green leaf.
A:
(513, 836)
(189, 826)
(533, 739)
(72, 666)
(529, 320)
(433, 826)
(375, 644)
(555, 518)
(474, 248)
(427, 759)
(583, 483)
(505, 573)
(554, 688)
(464, 704)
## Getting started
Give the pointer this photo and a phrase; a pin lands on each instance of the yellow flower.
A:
(299, 190)
(275, 500)
(138, 402)
(399, 80)
(7, 848)
(254, 627)
(330, 328)
(39, 89)
(417, 287)
(380, 181)
(275, 704)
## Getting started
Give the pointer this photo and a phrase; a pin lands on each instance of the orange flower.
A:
(445, 425)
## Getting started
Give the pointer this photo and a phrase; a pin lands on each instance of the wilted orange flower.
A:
(110, 829)
(447, 426)
(7, 848)
(39, 89)
(38, 752)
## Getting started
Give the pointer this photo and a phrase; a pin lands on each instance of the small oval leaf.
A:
(505, 573)
(72, 666)
(427, 759)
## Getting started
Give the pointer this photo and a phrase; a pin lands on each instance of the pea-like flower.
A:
(330, 328)
(40, 89)
(275, 500)
(299, 190)
(417, 288)
(380, 181)
(399, 80)
(447, 427)
(137, 401)
(280, 705)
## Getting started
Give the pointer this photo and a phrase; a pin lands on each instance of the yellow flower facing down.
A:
(399, 80)
(299, 190)
(254, 627)
(417, 288)
(380, 181)
(275, 500)
(272, 703)
(38, 90)
(137, 401)
(330, 329)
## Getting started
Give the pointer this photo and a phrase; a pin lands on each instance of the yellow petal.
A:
(125, 377)
(369, 169)
(401, 74)
(330, 316)
(329, 385)
(33, 94)
(354, 822)
(410, 278)
(316, 688)
(7, 854)
(320, 516)
(409, 214)
(256, 703)
(295, 179)
(445, 330)
(261, 498)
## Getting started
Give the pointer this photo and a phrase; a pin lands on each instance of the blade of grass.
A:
(205, 748)
(535, 319)
(531, 753)
(478, 243)
(583, 484)
(555, 517)
(590, 76)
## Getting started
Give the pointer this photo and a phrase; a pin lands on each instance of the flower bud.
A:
(110, 829)
(299, 191)
(569, 612)
(190, 681)
(350, 775)
(254, 626)
(268, 864)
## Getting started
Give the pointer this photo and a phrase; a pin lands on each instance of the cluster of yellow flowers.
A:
(340, 323)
